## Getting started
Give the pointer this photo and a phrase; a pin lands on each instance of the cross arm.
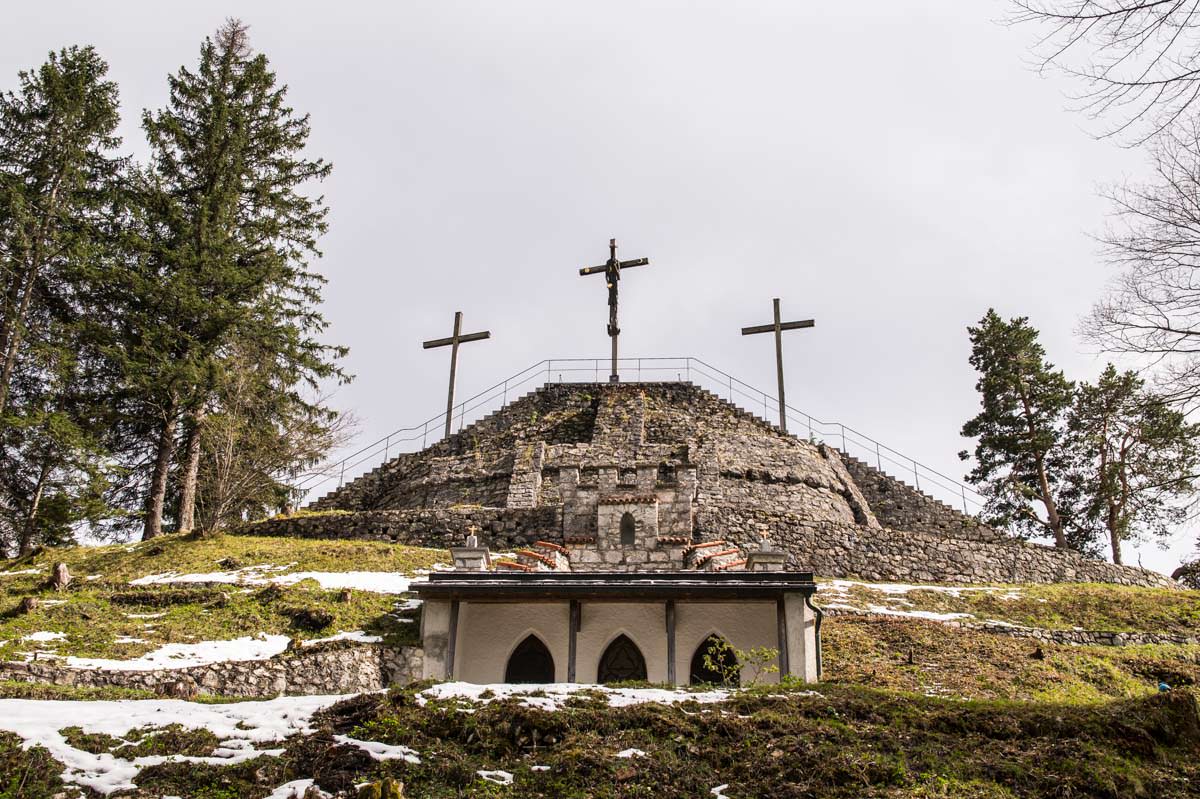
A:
(445, 342)
(593, 270)
(747, 331)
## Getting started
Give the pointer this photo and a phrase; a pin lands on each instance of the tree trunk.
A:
(191, 471)
(15, 335)
(157, 495)
(1114, 533)
(1052, 517)
(27, 529)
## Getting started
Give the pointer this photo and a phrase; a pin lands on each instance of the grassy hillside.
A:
(102, 615)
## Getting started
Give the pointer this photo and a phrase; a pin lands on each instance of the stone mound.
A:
(568, 463)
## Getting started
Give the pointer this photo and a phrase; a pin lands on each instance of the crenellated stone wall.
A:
(502, 528)
(335, 667)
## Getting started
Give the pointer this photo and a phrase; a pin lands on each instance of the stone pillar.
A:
(435, 638)
(801, 626)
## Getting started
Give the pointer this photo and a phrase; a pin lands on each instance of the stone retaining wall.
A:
(337, 667)
(1067, 637)
(882, 554)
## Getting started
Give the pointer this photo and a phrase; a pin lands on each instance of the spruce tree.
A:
(1019, 428)
(58, 180)
(226, 234)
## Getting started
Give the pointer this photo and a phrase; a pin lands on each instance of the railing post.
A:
(963, 488)
(424, 434)
(387, 444)
(342, 476)
(844, 452)
(878, 458)
(916, 475)
(505, 400)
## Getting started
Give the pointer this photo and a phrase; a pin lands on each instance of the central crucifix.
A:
(612, 275)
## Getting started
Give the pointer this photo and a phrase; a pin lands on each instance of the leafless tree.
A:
(1138, 60)
(1152, 308)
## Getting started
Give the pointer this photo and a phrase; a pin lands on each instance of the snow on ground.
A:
(498, 777)
(240, 726)
(719, 791)
(911, 614)
(899, 589)
(552, 696)
(45, 636)
(381, 751)
(175, 656)
(375, 582)
(296, 789)
(631, 753)
(22, 571)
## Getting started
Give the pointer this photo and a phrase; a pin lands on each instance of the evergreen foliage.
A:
(147, 308)
(57, 181)
(1018, 428)
(1093, 465)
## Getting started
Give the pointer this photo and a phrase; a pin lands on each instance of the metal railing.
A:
(644, 370)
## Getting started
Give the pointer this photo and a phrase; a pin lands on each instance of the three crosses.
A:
(612, 275)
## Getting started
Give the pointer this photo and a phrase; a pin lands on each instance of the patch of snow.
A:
(844, 586)
(539, 768)
(554, 695)
(239, 725)
(498, 777)
(353, 635)
(202, 653)
(125, 639)
(719, 791)
(375, 582)
(258, 647)
(408, 604)
(91, 577)
(381, 751)
(45, 636)
(630, 753)
(295, 789)
(22, 571)
(145, 615)
(912, 614)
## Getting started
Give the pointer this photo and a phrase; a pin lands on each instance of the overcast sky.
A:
(889, 169)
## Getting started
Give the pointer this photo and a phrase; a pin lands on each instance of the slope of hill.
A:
(916, 701)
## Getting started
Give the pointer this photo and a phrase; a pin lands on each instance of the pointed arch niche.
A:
(628, 529)
(622, 661)
(530, 662)
(723, 670)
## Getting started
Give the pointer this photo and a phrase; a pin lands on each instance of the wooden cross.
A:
(453, 342)
(612, 275)
(777, 327)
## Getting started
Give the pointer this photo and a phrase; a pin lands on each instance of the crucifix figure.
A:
(612, 275)
(777, 327)
(453, 342)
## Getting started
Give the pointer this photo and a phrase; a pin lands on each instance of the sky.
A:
(890, 170)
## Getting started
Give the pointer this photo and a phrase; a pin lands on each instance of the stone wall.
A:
(502, 529)
(1065, 637)
(901, 507)
(336, 667)
(831, 550)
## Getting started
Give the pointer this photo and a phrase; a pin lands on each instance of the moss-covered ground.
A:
(840, 741)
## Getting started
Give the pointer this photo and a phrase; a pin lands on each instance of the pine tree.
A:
(226, 232)
(57, 184)
(1019, 429)
(1137, 459)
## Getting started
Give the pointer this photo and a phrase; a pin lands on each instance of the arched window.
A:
(721, 666)
(628, 529)
(622, 661)
(530, 662)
